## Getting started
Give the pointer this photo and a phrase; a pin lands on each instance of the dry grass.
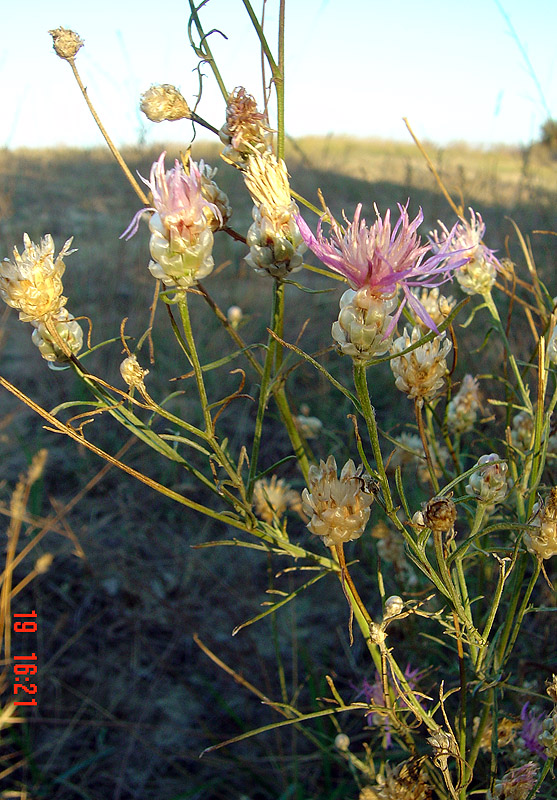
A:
(127, 700)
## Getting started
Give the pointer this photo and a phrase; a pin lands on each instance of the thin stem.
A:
(521, 611)
(113, 149)
(276, 322)
(360, 382)
(194, 358)
(488, 299)
(204, 51)
(425, 445)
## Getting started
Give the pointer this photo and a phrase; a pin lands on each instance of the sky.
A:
(455, 69)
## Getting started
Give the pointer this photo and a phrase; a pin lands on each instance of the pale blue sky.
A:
(353, 66)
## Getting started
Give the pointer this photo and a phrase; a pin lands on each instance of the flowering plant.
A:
(462, 532)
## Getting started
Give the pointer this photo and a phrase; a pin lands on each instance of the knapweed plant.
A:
(458, 502)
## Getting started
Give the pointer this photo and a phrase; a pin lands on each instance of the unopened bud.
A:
(393, 606)
(342, 742)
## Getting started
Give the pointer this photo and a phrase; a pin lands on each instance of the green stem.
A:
(511, 633)
(360, 382)
(546, 768)
(204, 51)
(194, 358)
(488, 299)
(276, 323)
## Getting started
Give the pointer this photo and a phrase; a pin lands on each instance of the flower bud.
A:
(66, 43)
(234, 316)
(342, 742)
(338, 508)
(393, 606)
(489, 484)
(164, 102)
(516, 783)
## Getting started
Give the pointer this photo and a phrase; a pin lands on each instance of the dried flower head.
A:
(68, 335)
(338, 508)
(516, 784)
(420, 373)
(462, 410)
(132, 373)
(489, 484)
(436, 304)
(384, 258)
(522, 431)
(541, 537)
(439, 514)
(66, 43)
(362, 325)
(32, 281)
(181, 238)
(275, 243)
(245, 129)
(164, 102)
(506, 732)
(272, 497)
(551, 688)
(408, 781)
(478, 274)
(410, 453)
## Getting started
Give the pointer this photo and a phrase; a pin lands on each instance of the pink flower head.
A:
(384, 258)
(466, 237)
(178, 200)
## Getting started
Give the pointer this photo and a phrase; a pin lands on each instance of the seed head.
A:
(437, 306)
(66, 43)
(164, 102)
(420, 373)
(338, 507)
(490, 483)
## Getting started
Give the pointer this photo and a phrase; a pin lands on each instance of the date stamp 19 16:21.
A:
(24, 668)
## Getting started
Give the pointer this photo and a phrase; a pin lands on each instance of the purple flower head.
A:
(178, 201)
(385, 258)
(532, 727)
(373, 694)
